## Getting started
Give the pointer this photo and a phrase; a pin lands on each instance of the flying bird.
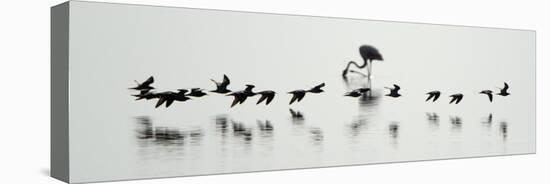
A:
(434, 95)
(489, 93)
(221, 87)
(196, 92)
(456, 98)
(298, 95)
(357, 92)
(169, 97)
(241, 96)
(266, 96)
(146, 85)
(394, 92)
(504, 91)
(317, 89)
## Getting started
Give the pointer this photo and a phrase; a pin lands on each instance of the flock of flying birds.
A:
(168, 97)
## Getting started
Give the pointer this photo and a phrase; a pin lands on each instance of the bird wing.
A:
(160, 102)
(169, 102)
(217, 84)
(505, 86)
(301, 96)
(225, 81)
(270, 98)
(490, 97)
(459, 98)
(396, 87)
(294, 98)
(149, 81)
(436, 96)
(235, 101)
(242, 99)
(262, 98)
(430, 97)
(453, 100)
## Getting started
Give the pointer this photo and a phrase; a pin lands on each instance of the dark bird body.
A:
(146, 85)
(357, 92)
(394, 92)
(196, 92)
(434, 95)
(298, 95)
(504, 91)
(169, 97)
(221, 87)
(456, 98)
(489, 94)
(266, 96)
(241, 96)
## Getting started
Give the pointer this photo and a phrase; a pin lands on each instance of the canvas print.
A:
(163, 92)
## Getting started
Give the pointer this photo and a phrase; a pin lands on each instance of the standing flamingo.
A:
(368, 53)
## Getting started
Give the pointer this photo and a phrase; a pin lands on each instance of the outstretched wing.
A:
(430, 97)
(459, 98)
(294, 98)
(149, 81)
(490, 97)
(505, 86)
(160, 102)
(235, 101)
(269, 99)
(169, 102)
(453, 100)
(262, 98)
(301, 96)
(396, 87)
(225, 81)
(436, 96)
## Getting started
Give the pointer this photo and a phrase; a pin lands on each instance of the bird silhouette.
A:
(196, 92)
(357, 92)
(241, 96)
(221, 87)
(169, 97)
(489, 93)
(267, 95)
(394, 92)
(434, 95)
(317, 89)
(504, 91)
(456, 98)
(298, 95)
(146, 85)
(368, 53)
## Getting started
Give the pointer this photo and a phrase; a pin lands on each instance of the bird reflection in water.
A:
(239, 130)
(316, 135)
(503, 129)
(393, 130)
(456, 123)
(357, 125)
(158, 135)
(488, 121)
(222, 124)
(433, 119)
(296, 116)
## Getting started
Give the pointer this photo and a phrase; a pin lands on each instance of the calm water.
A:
(115, 137)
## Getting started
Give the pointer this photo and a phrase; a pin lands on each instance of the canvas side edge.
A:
(59, 92)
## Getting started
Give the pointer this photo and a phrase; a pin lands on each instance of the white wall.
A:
(24, 70)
